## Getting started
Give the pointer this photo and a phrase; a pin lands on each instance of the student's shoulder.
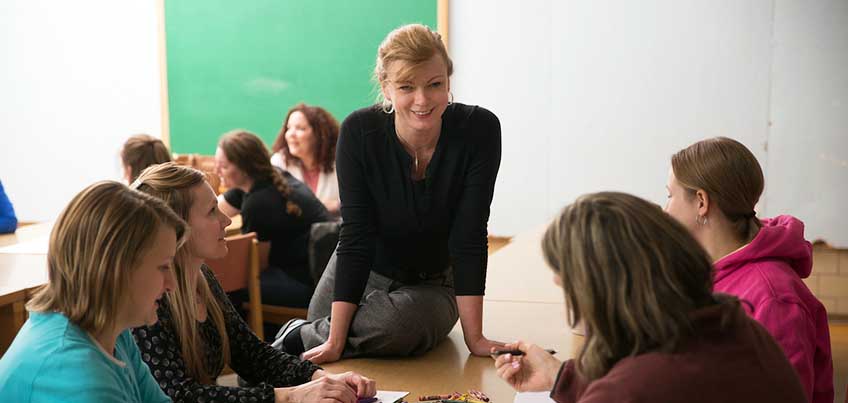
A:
(212, 281)
(53, 336)
(79, 362)
(60, 362)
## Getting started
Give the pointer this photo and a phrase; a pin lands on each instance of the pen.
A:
(518, 352)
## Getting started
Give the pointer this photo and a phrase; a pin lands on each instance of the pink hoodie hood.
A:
(780, 238)
(766, 274)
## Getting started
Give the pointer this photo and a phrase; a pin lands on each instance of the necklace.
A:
(415, 151)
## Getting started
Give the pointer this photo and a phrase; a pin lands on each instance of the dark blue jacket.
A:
(8, 221)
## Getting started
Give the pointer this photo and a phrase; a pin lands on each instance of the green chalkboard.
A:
(243, 64)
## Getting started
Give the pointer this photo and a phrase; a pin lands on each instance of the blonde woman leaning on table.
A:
(306, 148)
(200, 332)
(655, 332)
(109, 261)
(416, 177)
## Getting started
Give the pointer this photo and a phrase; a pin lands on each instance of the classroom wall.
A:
(597, 95)
(78, 78)
(808, 141)
(591, 95)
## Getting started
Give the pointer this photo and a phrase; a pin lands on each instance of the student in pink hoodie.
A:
(713, 186)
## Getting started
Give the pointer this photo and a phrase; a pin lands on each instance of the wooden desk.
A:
(27, 233)
(20, 275)
(521, 303)
(518, 272)
(450, 367)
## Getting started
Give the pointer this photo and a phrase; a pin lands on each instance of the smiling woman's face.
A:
(420, 99)
(207, 224)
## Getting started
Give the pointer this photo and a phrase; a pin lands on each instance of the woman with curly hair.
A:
(306, 147)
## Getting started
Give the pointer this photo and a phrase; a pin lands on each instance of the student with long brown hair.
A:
(713, 187)
(306, 148)
(109, 261)
(275, 205)
(200, 331)
(642, 288)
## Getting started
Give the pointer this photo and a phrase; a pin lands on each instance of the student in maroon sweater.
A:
(642, 288)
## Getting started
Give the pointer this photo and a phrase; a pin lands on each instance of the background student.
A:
(8, 220)
(200, 331)
(416, 177)
(642, 287)
(713, 187)
(306, 147)
(275, 205)
(141, 151)
(109, 261)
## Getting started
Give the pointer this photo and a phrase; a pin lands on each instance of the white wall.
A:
(592, 95)
(808, 145)
(77, 79)
(597, 95)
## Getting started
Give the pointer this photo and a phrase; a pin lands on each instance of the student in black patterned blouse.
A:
(199, 331)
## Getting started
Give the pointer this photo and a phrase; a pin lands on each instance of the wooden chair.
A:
(281, 314)
(323, 238)
(240, 270)
(204, 163)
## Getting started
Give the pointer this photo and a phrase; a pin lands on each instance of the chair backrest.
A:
(323, 239)
(233, 270)
(214, 181)
(204, 163)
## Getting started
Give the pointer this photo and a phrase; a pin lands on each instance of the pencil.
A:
(518, 352)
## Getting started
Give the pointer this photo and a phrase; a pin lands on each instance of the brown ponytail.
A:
(731, 176)
(247, 151)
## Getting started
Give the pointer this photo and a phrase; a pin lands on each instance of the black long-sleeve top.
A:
(254, 360)
(263, 210)
(406, 229)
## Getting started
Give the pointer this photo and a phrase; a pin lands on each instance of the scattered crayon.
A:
(473, 396)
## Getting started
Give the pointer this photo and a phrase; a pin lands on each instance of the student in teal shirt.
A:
(109, 261)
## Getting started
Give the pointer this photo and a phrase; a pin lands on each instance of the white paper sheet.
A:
(389, 396)
(533, 397)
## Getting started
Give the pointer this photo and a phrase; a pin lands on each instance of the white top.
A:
(328, 183)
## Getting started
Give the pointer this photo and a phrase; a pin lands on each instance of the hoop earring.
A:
(698, 220)
(450, 98)
(387, 107)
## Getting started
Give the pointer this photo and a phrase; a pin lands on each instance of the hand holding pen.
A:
(527, 367)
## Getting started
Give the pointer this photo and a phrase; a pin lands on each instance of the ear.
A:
(557, 279)
(703, 200)
(384, 88)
